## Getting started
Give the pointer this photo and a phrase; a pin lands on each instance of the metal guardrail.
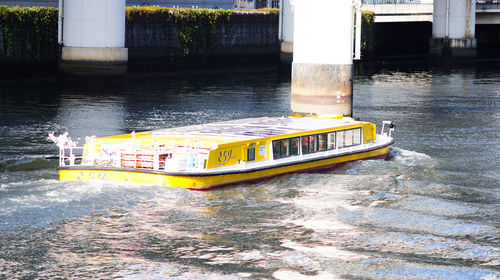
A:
(487, 1)
(385, 2)
(54, 3)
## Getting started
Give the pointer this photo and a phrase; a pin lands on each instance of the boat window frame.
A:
(251, 151)
(305, 142)
(313, 143)
(276, 147)
(322, 148)
(288, 152)
(304, 148)
(333, 135)
(285, 147)
(316, 148)
(341, 144)
(297, 149)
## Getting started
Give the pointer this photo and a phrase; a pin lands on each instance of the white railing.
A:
(129, 155)
(391, 127)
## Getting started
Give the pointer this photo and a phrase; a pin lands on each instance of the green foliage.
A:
(148, 14)
(29, 32)
(197, 27)
(262, 10)
(368, 30)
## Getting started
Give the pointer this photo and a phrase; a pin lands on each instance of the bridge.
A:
(217, 4)
(487, 11)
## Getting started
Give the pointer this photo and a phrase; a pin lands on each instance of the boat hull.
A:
(205, 180)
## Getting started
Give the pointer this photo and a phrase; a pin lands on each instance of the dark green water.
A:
(430, 212)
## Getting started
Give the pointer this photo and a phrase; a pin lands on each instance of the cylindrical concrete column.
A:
(453, 28)
(94, 37)
(287, 10)
(322, 57)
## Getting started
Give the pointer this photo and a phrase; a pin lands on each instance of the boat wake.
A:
(410, 158)
(39, 203)
(29, 164)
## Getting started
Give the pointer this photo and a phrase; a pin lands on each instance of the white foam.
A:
(291, 275)
(411, 158)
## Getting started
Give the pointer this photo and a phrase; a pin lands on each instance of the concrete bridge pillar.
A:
(322, 57)
(453, 28)
(94, 38)
(287, 10)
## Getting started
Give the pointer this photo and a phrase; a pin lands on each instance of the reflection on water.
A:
(429, 212)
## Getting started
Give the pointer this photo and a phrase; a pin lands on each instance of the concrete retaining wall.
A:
(239, 38)
(1, 43)
(247, 35)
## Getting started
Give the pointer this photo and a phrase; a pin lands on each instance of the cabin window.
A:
(327, 141)
(305, 144)
(313, 143)
(251, 154)
(349, 137)
(285, 147)
(340, 139)
(294, 146)
(356, 137)
(318, 142)
(276, 149)
(331, 141)
(322, 142)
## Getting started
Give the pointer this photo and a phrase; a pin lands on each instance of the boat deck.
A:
(254, 128)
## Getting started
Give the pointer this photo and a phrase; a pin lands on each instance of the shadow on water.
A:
(30, 164)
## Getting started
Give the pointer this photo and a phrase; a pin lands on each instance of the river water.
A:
(429, 212)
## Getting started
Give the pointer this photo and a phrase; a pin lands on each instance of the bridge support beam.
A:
(322, 58)
(453, 29)
(287, 11)
(94, 38)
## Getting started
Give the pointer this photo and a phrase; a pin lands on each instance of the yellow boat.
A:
(205, 156)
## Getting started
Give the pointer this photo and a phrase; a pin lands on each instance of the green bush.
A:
(262, 10)
(368, 31)
(196, 26)
(29, 32)
(149, 14)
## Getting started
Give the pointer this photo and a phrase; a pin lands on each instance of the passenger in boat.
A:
(284, 148)
(294, 146)
(305, 145)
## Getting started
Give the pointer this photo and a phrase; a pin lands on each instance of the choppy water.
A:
(430, 212)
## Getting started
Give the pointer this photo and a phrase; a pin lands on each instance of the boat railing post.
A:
(391, 128)
(71, 157)
(156, 160)
(135, 157)
(336, 142)
(116, 159)
(61, 156)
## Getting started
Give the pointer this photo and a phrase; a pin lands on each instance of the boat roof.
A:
(254, 128)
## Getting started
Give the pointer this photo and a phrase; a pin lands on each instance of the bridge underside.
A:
(401, 13)
(485, 13)
(412, 39)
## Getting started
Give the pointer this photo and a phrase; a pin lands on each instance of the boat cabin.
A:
(227, 145)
